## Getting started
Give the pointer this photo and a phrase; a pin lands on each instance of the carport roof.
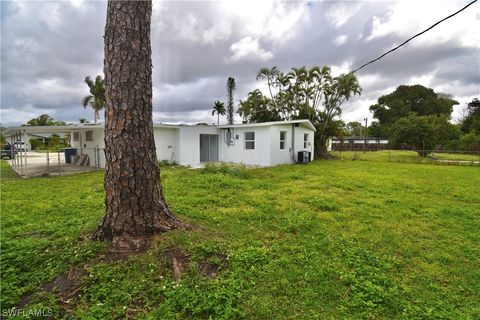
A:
(68, 128)
(304, 122)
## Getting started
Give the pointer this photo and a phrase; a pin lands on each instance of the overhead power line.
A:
(418, 34)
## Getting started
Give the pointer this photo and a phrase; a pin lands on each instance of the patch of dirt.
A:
(67, 284)
(179, 260)
(211, 269)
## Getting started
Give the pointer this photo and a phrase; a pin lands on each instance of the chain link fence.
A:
(63, 161)
(440, 157)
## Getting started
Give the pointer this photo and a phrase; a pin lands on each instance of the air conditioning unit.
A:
(304, 156)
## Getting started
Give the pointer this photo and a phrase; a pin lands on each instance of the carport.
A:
(28, 163)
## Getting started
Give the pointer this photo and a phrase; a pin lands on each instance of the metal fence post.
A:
(24, 136)
(95, 156)
(48, 161)
(21, 157)
(98, 157)
(58, 158)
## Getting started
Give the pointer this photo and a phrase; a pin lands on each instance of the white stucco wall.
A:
(237, 153)
(280, 156)
(166, 143)
(188, 142)
(299, 146)
(87, 147)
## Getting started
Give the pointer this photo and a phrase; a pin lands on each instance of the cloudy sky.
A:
(47, 49)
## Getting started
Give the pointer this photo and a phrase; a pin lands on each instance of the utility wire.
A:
(418, 34)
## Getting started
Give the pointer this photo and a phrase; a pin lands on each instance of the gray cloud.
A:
(49, 47)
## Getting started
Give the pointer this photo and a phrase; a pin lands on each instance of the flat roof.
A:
(73, 127)
(305, 122)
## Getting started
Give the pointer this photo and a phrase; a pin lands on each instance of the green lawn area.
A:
(328, 240)
(408, 156)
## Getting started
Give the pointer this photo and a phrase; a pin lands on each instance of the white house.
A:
(262, 144)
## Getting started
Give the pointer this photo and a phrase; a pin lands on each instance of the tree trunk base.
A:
(127, 243)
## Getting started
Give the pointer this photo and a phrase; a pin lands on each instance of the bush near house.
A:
(330, 240)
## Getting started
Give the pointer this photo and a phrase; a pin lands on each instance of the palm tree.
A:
(271, 76)
(96, 99)
(231, 86)
(219, 108)
(42, 120)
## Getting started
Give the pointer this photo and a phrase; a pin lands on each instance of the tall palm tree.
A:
(96, 98)
(231, 86)
(219, 108)
(271, 76)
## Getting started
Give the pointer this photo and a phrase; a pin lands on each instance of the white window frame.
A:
(249, 140)
(76, 136)
(87, 135)
(283, 141)
(305, 140)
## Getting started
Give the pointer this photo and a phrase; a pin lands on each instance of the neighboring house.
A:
(23, 143)
(357, 143)
(262, 144)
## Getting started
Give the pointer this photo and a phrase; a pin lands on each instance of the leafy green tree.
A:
(44, 120)
(219, 109)
(96, 98)
(422, 132)
(471, 122)
(302, 93)
(231, 86)
(410, 99)
(83, 120)
(355, 128)
(257, 108)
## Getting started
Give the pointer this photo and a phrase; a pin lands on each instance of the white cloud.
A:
(270, 20)
(341, 39)
(407, 18)
(15, 115)
(339, 13)
(345, 67)
(248, 49)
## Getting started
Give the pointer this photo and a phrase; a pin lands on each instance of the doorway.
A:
(209, 148)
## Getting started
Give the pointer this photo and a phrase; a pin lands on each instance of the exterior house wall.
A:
(188, 143)
(288, 155)
(166, 143)
(281, 156)
(237, 152)
(88, 147)
(299, 142)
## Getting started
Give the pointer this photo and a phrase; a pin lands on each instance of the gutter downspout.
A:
(293, 143)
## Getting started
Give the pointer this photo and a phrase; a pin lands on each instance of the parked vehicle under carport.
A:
(7, 151)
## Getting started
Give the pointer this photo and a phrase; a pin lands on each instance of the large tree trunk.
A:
(135, 206)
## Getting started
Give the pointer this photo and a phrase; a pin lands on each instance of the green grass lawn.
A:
(407, 156)
(328, 240)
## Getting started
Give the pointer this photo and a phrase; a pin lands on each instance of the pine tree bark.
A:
(135, 206)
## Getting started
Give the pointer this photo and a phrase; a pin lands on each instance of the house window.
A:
(89, 135)
(283, 137)
(76, 136)
(250, 140)
(305, 140)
